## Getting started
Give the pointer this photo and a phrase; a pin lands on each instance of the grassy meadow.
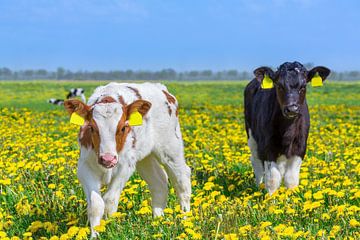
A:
(41, 198)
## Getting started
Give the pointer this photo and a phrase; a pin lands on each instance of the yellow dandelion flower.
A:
(354, 223)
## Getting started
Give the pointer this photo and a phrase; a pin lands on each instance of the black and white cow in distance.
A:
(55, 101)
(277, 123)
(74, 92)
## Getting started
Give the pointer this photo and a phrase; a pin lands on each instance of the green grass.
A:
(34, 94)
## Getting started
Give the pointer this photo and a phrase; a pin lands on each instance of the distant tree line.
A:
(165, 74)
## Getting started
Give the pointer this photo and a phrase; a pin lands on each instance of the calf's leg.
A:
(257, 164)
(258, 167)
(292, 172)
(272, 176)
(112, 195)
(281, 163)
(95, 204)
(179, 173)
(157, 180)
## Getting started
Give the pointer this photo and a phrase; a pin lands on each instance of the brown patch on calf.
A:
(89, 135)
(136, 91)
(171, 100)
(121, 101)
(107, 99)
(95, 136)
(169, 97)
(123, 128)
(85, 138)
(122, 131)
(169, 108)
(141, 106)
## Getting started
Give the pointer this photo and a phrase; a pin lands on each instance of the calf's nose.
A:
(108, 160)
(293, 108)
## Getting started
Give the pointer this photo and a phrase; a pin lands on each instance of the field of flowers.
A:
(41, 198)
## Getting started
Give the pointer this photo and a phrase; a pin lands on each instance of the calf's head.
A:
(106, 126)
(290, 81)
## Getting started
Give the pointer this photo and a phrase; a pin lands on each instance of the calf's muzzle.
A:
(291, 110)
(108, 160)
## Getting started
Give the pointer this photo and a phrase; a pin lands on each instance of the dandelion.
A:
(2, 234)
(168, 211)
(265, 224)
(82, 233)
(354, 223)
(230, 236)
(27, 234)
(72, 231)
(144, 210)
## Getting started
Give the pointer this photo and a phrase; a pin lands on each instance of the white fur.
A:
(292, 172)
(281, 163)
(287, 168)
(255, 161)
(272, 176)
(158, 141)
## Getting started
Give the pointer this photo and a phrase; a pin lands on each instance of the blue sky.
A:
(184, 35)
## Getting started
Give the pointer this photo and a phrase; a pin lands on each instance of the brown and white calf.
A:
(111, 149)
(277, 123)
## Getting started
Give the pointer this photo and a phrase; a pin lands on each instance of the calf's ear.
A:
(75, 105)
(262, 71)
(322, 71)
(141, 106)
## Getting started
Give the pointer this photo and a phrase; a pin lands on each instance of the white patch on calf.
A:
(281, 162)
(292, 172)
(107, 117)
(257, 164)
(272, 176)
(95, 211)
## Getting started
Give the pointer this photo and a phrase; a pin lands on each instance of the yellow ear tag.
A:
(316, 81)
(135, 119)
(267, 83)
(77, 119)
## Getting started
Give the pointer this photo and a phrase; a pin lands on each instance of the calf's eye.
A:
(123, 129)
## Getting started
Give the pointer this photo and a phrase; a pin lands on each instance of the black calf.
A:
(277, 122)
